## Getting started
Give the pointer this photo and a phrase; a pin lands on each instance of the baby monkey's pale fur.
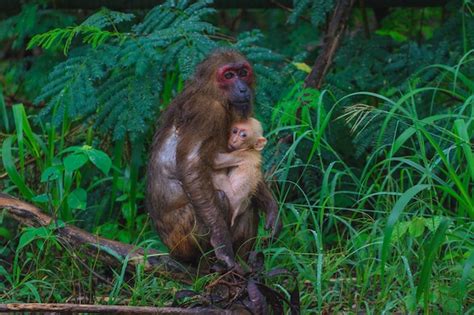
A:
(238, 172)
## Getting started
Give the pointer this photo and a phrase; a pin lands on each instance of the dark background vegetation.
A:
(374, 171)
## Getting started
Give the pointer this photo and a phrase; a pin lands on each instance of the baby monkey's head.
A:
(247, 134)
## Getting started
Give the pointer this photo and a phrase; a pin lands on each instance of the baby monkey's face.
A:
(247, 134)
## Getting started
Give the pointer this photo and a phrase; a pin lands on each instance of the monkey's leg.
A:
(182, 234)
(186, 237)
(244, 232)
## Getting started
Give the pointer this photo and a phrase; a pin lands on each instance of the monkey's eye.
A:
(243, 72)
(243, 134)
(228, 75)
(234, 130)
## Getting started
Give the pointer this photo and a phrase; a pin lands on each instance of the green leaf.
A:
(124, 236)
(50, 174)
(417, 227)
(34, 291)
(400, 230)
(433, 223)
(108, 230)
(10, 167)
(399, 37)
(74, 161)
(31, 234)
(463, 131)
(302, 67)
(5, 273)
(467, 270)
(398, 208)
(77, 199)
(43, 198)
(127, 211)
(5, 233)
(3, 111)
(430, 253)
(100, 159)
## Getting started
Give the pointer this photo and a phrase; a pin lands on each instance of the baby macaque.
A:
(239, 170)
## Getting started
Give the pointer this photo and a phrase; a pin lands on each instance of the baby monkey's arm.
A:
(231, 159)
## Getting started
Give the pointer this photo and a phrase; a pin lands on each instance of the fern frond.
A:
(317, 8)
(127, 102)
(298, 7)
(63, 37)
(106, 17)
(70, 92)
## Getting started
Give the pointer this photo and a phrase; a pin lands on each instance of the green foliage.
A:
(120, 82)
(384, 65)
(70, 89)
(54, 38)
(318, 9)
(91, 29)
(373, 174)
(31, 21)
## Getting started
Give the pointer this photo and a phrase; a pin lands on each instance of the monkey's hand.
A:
(264, 200)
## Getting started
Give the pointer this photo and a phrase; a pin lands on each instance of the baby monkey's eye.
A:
(229, 75)
(234, 130)
(243, 134)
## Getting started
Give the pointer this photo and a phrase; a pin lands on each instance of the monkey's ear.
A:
(260, 144)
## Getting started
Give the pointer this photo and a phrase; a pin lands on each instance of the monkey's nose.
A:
(243, 89)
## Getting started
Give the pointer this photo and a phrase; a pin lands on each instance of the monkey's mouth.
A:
(241, 103)
(231, 147)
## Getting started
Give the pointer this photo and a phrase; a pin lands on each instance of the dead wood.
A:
(109, 251)
(109, 309)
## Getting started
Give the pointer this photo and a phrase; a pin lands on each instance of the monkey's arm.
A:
(195, 175)
(264, 200)
(226, 160)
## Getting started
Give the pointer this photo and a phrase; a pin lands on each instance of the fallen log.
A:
(109, 251)
(109, 309)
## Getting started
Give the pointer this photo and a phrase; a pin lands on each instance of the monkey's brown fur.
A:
(190, 215)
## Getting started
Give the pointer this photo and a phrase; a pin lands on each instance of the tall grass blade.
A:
(398, 208)
(430, 254)
(462, 132)
(465, 196)
(466, 273)
(17, 116)
(3, 111)
(9, 164)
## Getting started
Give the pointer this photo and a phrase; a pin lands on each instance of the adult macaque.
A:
(190, 214)
(240, 172)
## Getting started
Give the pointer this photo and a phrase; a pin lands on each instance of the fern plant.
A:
(115, 77)
(317, 8)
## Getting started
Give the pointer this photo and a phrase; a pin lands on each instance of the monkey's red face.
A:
(237, 80)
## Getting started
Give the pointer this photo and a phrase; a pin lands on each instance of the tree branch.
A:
(332, 39)
(106, 250)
